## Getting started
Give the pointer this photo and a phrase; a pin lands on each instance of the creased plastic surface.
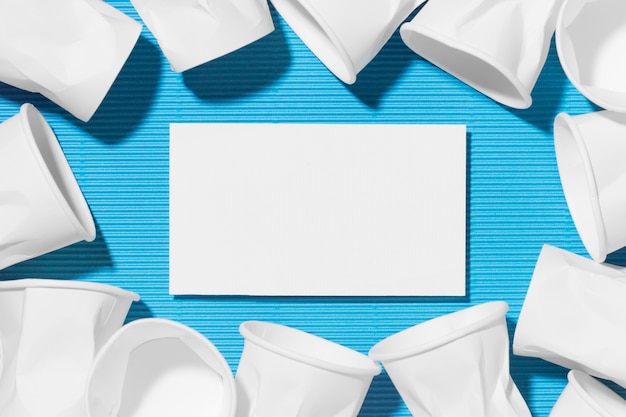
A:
(292, 373)
(497, 47)
(453, 365)
(192, 32)
(70, 51)
(574, 314)
(49, 333)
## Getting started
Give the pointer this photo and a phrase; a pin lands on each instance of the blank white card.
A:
(317, 209)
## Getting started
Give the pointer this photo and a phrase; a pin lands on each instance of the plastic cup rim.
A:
(499, 310)
(27, 283)
(252, 337)
(592, 188)
(575, 378)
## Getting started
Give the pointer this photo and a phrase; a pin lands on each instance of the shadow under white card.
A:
(317, 209)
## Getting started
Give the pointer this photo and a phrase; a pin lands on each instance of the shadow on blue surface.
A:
(547, 94)
(242, 72)
(65, 263)
(468, 211)
(382, 398)
(617, 258)
(524, 369)
(618, 389)
(138, 310)
(382, 72)
(20, 97)
(130, 98)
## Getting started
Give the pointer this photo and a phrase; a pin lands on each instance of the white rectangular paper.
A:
(317, 209)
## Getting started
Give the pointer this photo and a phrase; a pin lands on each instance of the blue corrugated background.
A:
(120, 159)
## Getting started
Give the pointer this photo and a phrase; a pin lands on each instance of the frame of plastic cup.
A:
(50, 332)
(43, 208)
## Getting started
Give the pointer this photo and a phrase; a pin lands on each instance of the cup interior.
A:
(55, 165)
(308, 348)
(165, 375)
(590, 39)
(160, 367)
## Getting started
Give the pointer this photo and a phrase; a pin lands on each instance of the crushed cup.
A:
(43, 208)
(585, 396)
(158, 367)
(574, 314)
(345, 35)
(193, 32)
(70, 51)
(285, 372)
(496, 47)
(588, 150)
(50, 333)
(590, 42)
(454, 365)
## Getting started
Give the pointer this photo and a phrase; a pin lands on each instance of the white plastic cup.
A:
(41, 205)
(70, 51)
(454, 365)
(590, 42)
(193, 32)
(585, 396)
(345, 35)
(285, 372)
(158, 367)
(50, 332)
(574, 314)
(496, 47)
(589, 151)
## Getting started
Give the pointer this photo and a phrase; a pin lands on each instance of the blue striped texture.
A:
(120, 159)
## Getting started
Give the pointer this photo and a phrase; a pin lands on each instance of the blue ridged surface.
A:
(120, 159)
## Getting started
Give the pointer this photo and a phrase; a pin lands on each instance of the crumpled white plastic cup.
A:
(345, 35)
(42, 207)
(590, 42)
(285, 372)
(574, 314)
(585, 396)
(50, 332)
(193, 32)
(159, 368)
(497, 47)
(454, 365)
(70, 51)
(589, 150)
